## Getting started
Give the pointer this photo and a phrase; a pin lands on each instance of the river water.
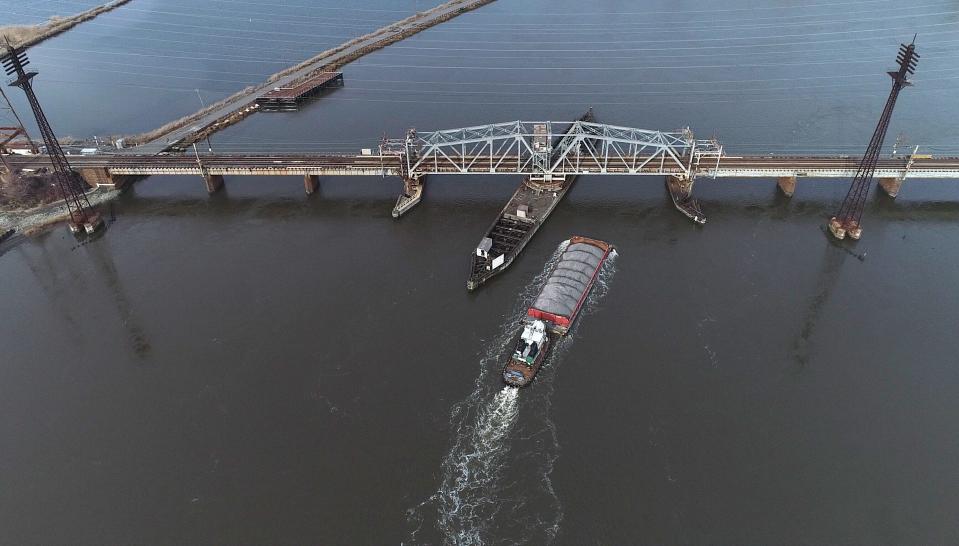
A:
(261, 367)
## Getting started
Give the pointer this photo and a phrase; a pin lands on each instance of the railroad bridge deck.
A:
(542, 150)
(768, 166)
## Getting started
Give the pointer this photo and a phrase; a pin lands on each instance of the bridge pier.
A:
(680, 189)
(891, 185)
(841, 229)
(213, 182)
(412, 194)
(311, 183)
(102, 177)
(787, 184)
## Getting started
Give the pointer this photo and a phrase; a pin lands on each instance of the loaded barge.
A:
(523, 215)
(556, 307)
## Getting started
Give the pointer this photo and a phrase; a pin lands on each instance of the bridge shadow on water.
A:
(377, 200)
(879, 206)
(222, 204)
(778, 207)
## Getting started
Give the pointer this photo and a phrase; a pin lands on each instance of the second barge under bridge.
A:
(548, 154)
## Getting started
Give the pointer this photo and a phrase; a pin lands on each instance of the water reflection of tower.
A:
(833, 259)
(45, 270)
(103, 261)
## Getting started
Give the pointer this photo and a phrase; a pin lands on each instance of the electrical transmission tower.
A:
(9, 134)
(848, 220)
(82, 215)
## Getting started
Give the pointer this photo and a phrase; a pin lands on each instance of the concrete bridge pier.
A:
(891, 185)
(787, 184)
(102, 177)
(213, 182)
(311, 183)
(411, 196)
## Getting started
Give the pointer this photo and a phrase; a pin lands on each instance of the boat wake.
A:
(496, 478)
(466, 505)
(468, 500)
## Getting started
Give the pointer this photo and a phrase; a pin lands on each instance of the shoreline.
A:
(40, 218)
(30, 35)
(43, 217)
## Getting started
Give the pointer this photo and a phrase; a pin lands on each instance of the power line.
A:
(422, 91)
(498, 67)
(685, 21)
(598, 13)
(448, 48)
(205, 29)
(419, 81)
(585, 101)
(390, 51)
(300, 19)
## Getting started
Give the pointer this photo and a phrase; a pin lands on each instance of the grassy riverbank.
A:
(28, 35)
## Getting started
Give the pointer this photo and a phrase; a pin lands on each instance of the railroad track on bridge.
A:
(390, 165)
(534, 150)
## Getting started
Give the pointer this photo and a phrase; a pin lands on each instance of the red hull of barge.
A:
(556, 307)
(561, 323)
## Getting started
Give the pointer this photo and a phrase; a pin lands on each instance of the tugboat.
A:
(528, 355)
(556, 307)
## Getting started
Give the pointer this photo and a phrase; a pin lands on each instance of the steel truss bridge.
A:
(768, 166)
(532, 148)
(528, 148)
(541, 150)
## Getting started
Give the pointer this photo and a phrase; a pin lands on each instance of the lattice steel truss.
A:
(532, 148)
(848, 219)
(10, 134)
(14, 63)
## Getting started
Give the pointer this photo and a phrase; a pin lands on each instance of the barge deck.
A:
(556, 307)
(516, 224)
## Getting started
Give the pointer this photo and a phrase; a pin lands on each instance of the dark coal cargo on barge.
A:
(556, 307)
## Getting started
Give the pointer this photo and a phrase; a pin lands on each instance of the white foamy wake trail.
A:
(467, 499)
(465, 503)
(496, 478)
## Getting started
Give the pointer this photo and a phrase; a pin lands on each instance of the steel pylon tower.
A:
(848, 220)
(82, 215)
(20, 129)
